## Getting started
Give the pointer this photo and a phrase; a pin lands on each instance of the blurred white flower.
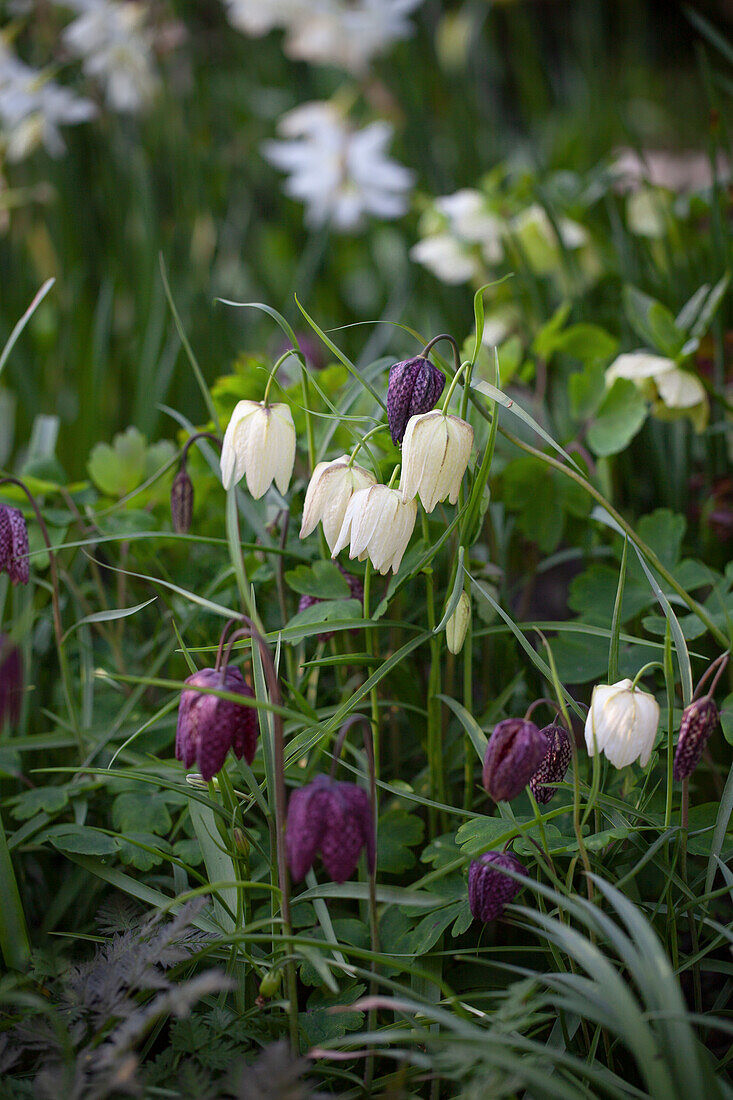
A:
(260, 443)
(115, 47)
(341, 174)
(680, 389)
(33, 107)
(638, 366)
(470, 219)
(378, 524)
(330, 489)
(622, 723)
(673, 389)
(435, 454)
(344, 33)
(448, 259)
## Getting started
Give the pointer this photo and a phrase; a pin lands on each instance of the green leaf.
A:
(586, 389)
(399, 832)
(118, 469)
(136, 856)
(590, 344)
(726, 718)
(618, 418)
(481, 834)
(663, 530)
(320, 1024)
(323, 580)
(143, 813)
(547, 338)
(592, 595)
(82, 839)
(47, 800)
(652, 322)
(541, 499)
(324, 612)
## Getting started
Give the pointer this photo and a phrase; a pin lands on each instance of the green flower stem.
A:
(468, 749)
(371, 648)
(669, 683)
(14, 941)
(434, 747)
(63, 663)
(237, 558)
(372, 431)
(647, 551)
(285, 355)
(309, 433)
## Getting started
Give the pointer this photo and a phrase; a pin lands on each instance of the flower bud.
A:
(259, 443)
(378, 524)
(554, 765)
(333, 818)
(182, 502)
(435, 454)
(622, 722)
(515, 750)
(11, 681)
(13, 545)
(699, 719)
(209, 726)
(330, 489)
(270, 984)
(414, 387)
(489, 889)
(457, 625)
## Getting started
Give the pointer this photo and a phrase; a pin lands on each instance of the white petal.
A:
(638, 366)
(232, 453)
(257, 469)
(680, 389)
(313, 503)
(282, 445)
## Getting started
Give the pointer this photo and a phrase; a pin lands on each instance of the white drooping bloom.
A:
(471, 220)
(448, 259)
(435, 453)
(33, 107)
(330, 489)
(341, 174)
(457, 625)
(661, 380)
(115, 47)
(622, 723)
(259, 443)
(344, 33)
(378, 524)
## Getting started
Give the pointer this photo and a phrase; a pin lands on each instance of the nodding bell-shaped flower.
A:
(515, 750)
(435, 454)
(622, 723)
(699, 719)
(414, 387)
(334, 819)
(209, 726)
(182, 502)
(457, 625)
(330, 489)
(554, 765)
(259, 443)
(11, 681)
(378, 523)
(489, 889)
(14, 545)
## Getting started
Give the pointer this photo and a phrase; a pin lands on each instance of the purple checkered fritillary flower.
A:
(332, 818)
(489, 889)
(13, 545)
(515, 751)
(554, 765)
(699, 720)
(209, 726)
(414, 387)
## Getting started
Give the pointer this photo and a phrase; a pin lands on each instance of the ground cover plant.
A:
(365, 693)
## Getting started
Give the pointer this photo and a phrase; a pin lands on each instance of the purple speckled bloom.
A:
(698, 722)
(555, 763)
(11, 681)
(414, 387)
(515, 751)
(489, 889)
(356, 590)
(182, 502)
(13, 545)
(209, 726)
(333, 818)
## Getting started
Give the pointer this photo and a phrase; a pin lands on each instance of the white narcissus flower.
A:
(259, 443)
(435, 454)
(331, 488)
(622, 723)
(378, 524)
(341, 174)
